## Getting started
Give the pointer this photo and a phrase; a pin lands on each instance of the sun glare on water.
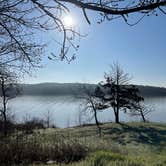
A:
(68, 21)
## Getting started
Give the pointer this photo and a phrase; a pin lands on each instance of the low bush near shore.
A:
(15, 151)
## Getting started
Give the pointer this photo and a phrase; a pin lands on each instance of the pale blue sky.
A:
(140, 50)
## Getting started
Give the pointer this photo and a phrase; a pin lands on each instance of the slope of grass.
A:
(127, 144)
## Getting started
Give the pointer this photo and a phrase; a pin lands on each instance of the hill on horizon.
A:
(77, 88)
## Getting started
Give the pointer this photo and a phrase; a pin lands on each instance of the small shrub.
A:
(28, 126)
(26, 151)
(68, 151)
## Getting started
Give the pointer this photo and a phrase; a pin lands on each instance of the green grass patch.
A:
(127, 144)
(103, 158)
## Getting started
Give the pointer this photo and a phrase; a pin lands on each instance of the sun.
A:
(68, 21)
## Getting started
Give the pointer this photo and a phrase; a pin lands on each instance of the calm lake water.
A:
(65, 111)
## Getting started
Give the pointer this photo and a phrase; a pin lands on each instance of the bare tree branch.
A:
(21, 22)
(118, 11)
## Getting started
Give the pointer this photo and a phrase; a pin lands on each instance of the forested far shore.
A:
(77, 88)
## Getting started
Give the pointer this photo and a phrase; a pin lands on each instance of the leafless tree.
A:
(117, 75)
(23, 21)
(8, 90)
(142, 111)
(79, 118)
(91, 104)
(21, 24)
(48, 118)
(17, 50)
(117, 93)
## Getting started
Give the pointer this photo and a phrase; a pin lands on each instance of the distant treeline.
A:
(77, 88)
(54, 88)
(151, 90)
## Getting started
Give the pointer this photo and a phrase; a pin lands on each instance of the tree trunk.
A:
(117, 117)
(143, 117)
(117, 100)
(4, 124)
(97, 122)
(4, 106)
(116, 113)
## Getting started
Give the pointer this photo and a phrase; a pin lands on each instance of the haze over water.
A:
(65, 111)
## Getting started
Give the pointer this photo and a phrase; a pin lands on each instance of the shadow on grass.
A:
(140, 134)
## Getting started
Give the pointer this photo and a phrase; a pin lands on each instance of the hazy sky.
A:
(140, 50)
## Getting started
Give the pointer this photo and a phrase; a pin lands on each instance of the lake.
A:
(65, 111)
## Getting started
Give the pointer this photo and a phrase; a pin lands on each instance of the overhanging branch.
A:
(118, 11)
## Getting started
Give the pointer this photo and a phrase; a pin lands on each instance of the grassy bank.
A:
(127, 144)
